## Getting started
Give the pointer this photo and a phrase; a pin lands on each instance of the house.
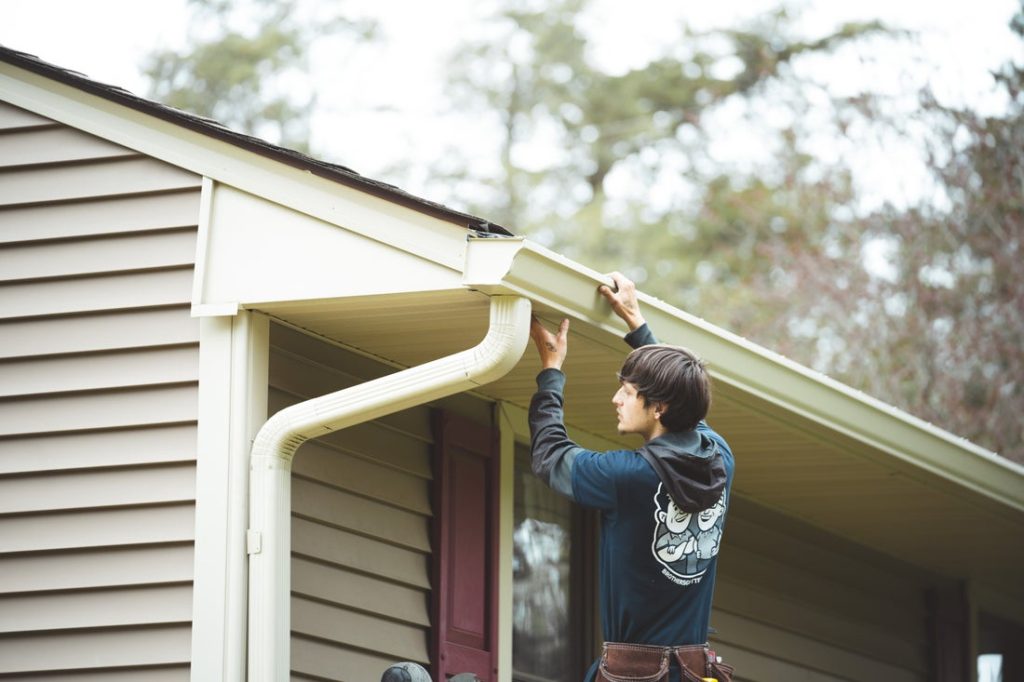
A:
(264, 417)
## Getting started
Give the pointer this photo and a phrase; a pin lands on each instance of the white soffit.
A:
(252, 252)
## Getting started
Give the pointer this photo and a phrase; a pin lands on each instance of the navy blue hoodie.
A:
(663, 509)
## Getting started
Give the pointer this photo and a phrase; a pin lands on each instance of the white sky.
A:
(383, 104)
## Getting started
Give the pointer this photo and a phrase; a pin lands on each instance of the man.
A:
(663, 505)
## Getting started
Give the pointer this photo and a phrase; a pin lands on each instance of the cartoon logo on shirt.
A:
(685, 542)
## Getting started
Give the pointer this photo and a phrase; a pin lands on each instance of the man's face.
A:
(634, 416)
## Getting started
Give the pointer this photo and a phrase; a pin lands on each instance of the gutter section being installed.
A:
(269, 534)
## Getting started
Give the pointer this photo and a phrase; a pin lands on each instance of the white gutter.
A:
(520, 267)
(269, 534)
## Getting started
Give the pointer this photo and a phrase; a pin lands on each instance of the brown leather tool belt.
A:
(648, 663)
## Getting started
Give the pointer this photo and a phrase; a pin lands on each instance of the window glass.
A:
(1000, 649)
(543, 646)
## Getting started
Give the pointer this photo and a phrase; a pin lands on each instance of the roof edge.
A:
(213, 129)
(524, 267)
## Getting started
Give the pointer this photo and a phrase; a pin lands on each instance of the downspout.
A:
(269, 534)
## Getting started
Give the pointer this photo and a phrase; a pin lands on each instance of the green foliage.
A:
(246, 66)
(774, 251)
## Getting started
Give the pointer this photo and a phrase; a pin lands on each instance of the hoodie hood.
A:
(690, 466)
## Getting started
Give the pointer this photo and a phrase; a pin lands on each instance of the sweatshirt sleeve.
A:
(641, 336)
(552, 450)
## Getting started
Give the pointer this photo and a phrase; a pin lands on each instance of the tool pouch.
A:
(646, 663)
(633, 663)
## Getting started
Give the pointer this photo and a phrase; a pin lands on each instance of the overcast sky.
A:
(391, 92)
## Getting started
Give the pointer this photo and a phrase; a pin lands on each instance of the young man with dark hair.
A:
(663, 505)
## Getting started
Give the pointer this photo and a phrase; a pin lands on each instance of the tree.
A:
(774, 251)
(246, 65)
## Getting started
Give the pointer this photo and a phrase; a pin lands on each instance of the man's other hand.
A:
(623, 300)
(552, 347)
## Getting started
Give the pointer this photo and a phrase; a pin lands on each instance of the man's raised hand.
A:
(551, 347)
(623, 300)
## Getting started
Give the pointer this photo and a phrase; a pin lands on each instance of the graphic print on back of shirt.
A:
(686, 542)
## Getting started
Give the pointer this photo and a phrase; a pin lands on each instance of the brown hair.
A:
(673, 376)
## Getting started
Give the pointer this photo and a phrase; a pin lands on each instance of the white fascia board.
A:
(298, 189)
(519, 266)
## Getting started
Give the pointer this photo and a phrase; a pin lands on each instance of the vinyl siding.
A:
(360, 524)
(98, 387)
(792, 603)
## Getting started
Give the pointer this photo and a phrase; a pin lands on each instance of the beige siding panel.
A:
(771, 608)
(115, 647)
(359, 553)
(95, 371)
(96, 608)
(326, 661)
(96, 568)
(98, 331)
(85, 294)
(364, 593)
(164, 673)
(319, 461)
(360, 526)
(97, 528)
(53, 145)
(15, 117)
(97, 488)
(307, 380)
(752, 666)
(98, 407)
(788, 578)
(96, 255)
(343, 510)
(101, 410)
(372, 439)
(398, 640)
(805, 652)
(80, 181)
(115, 215)
(70, 451)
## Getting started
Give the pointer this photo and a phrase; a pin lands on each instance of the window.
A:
(554, 571)
(1000, 649)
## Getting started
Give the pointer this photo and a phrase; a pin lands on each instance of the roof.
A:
(206, 126)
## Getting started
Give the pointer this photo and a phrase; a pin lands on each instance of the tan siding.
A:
(95, 568)
(106, 410)
(164, 673)
(69, 451)
(361, 524)
(87, 294)
(98, 407)
(97, 255)
(79, 181)
(794, 603)
(96, 608)
(57, 144)
(103, 648)
(97, 528)
(318, 660)
(110, 215)
(12, 118)
(97, 488)
(92, 371)
(98, 331)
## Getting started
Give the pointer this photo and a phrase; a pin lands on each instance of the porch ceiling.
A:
(785, 461)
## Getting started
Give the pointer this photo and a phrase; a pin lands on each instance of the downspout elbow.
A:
(277, 441)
